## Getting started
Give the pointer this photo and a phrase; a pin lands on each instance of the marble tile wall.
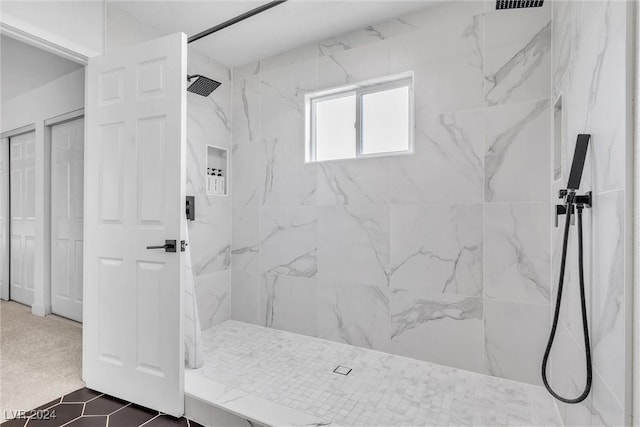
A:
(589, 72)
(443, 255)
(209, 122)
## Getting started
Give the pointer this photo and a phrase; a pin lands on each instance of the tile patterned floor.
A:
(88, 408)
(381, 390)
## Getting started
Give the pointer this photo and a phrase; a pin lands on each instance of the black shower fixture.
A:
(573, 204)
(517, 4)
(202, 85)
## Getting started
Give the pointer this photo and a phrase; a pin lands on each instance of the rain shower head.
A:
(202, 85)
(517, 4)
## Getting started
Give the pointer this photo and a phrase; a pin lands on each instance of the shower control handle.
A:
(169, 246)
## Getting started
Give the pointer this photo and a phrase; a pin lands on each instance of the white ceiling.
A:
(289, 25)
(24, 67)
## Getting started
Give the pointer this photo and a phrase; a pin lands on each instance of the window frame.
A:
(360, 89)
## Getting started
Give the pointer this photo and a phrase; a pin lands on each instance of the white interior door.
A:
(134, 198)
(4, 218)
(23, 198)
(67, 205)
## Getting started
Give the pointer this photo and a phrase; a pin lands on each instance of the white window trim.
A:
(357, 89)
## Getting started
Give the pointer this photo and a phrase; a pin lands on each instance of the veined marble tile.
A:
(246, 297)
(210, 239)
(446, 84)
(517, 258)
(517, 160)
(246, 109)
(287, 303)
(567, 375)
(245, 174)
(448, 162)
(354, 314)
(362, 181)
(246, 70)
(210, 116)
(598, 93)
(353, 244)
(245, 239)
(606, 409)
(285, 178)
(608, 291)
(213, 297)
(423, 324)
(564, 31)
(354, 65)
(289, 58)
(517, 55)
(289, 241)
(282, 98)
(515, 339)
(439, 30)
(354, 39)
(437, 248)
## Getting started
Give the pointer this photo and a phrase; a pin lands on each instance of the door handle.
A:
(169, 246)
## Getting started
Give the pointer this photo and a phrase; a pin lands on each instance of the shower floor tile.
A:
(257, 364)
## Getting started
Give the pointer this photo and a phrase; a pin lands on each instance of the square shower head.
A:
(202, 85)
(517, 4)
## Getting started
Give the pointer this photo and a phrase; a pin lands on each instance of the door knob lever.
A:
(169, 246)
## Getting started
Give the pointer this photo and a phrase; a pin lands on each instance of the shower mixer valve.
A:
(571, 201)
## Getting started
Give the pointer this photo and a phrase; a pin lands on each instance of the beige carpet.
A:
(40, 358)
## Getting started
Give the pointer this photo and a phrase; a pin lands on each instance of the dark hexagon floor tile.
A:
(48, 405)
(91, 421)
(194, 424)
(167, 421)
(104, 405)
(64, 412)
(131, 416)
(82, 395)
(14, 423)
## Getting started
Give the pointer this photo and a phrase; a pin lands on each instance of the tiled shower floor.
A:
(296, 371)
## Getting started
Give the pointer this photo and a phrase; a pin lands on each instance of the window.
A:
(368, 119)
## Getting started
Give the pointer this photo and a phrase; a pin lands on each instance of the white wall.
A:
(75, 25)
(61, 96)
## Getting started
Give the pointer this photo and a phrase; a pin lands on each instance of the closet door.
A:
(22, 239)
(67, 158)
(4, 218)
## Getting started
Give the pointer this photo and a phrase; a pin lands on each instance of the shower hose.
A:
(585, 327)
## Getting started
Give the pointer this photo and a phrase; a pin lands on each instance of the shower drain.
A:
(342, 370)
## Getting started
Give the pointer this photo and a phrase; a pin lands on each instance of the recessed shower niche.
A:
(217, 167)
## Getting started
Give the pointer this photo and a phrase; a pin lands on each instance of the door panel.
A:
(67, 157)
(135, 178)
(22, 189)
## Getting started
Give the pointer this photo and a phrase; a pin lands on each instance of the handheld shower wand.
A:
(573, 203)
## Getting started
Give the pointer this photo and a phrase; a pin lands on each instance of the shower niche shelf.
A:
(216, 181)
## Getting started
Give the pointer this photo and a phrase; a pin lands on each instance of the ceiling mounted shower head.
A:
(202, 85)
(517, 4)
